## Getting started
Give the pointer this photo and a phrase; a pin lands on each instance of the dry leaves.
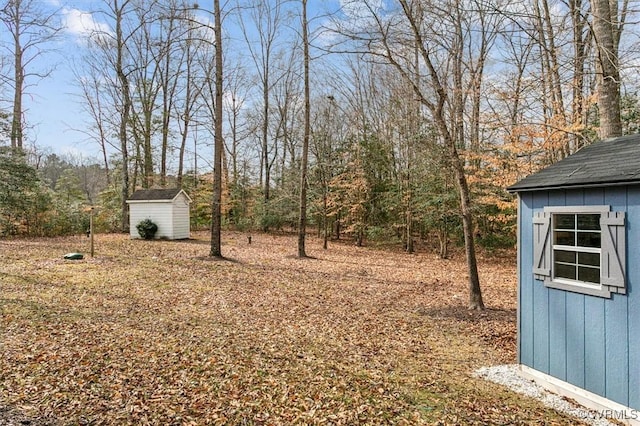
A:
(154, 332)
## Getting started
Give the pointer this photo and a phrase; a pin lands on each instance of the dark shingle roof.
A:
(154, 194)
(609, 162)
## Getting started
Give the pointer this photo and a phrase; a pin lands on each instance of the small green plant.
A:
(147, 229)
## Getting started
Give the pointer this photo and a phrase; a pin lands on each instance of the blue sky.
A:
(52, 108)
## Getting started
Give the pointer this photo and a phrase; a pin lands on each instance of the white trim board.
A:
(611, 409)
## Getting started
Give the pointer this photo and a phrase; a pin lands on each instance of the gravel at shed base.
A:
(509, 376)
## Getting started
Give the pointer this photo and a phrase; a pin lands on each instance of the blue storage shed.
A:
(579, 277)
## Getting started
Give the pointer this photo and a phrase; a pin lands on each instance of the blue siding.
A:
(540, 302)
(594, 332)
(557, 314)
(616, 326)
(633, 304)
(575, 339)
(576, 362)
(594, 345)
(525, 291)
(617, 355)
(588, 341)
(557, 333)
(541, 328)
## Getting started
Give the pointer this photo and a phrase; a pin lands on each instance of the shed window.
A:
(576, 247)
(580, 249)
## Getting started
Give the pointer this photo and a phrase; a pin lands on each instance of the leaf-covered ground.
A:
(155, 332)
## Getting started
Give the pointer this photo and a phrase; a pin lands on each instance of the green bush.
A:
(147, 229)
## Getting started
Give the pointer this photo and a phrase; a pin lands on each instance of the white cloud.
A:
(360, 9)
(82, 24)
(203, 24)
(354, 16)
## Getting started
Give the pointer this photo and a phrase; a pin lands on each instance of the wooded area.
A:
(416, 114)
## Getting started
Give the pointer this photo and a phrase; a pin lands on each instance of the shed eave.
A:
(167, 201)
(516, 190)
(157, 195)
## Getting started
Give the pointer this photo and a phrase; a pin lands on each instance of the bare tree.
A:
(392, 39)
(302, 222)
(326, 133)
(238, 87)
(31, 28)
(266, 17)
(125, 109)
(172, 53)
(287, 91)
(187, 108)
(147, 54)
(93, 103)
(581, 38)
(216, 225)
(110, 66)
(415, 18)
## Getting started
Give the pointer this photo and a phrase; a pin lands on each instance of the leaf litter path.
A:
(155, 332)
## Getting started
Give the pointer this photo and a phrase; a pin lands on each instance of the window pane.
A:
(589, 239)
(565, 256)
(590, 275)
(592, 259)
(565, 271)
(565, 221)
(565, 238)
(589, 222)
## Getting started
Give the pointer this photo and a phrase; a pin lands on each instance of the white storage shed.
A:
(167, 208)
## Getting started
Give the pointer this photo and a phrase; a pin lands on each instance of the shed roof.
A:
(606, 163)
(156, 194)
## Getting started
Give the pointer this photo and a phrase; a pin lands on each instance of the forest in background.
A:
(411, 102)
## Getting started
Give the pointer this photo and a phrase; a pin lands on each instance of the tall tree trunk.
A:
(147, 149)
(216, 219)
(167, 101)
(265, 141)
(16, 121)
(580, 37)
(606, 34)
(191, 94)
(17, 125)
(186, 120)
(266, 17)
(234, 142)
(302, 223)
(124, 114)
(435, 103)
(555, 114)
(475, 293)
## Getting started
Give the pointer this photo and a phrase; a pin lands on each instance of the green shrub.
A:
(147, 229)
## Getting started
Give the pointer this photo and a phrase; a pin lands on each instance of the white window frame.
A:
(612, 249)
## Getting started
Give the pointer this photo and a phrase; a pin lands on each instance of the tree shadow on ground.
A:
(494, 326)
(219, 259)
(463, 313)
